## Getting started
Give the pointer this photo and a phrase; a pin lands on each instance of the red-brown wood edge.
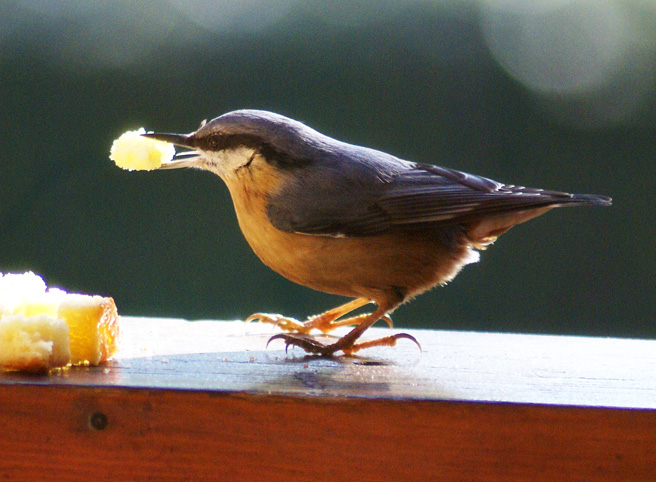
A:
(64, 433)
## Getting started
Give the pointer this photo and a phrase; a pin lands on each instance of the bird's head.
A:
(238, 139)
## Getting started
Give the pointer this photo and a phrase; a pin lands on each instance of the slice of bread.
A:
(93, 324)
(44, 329)
(35, 343)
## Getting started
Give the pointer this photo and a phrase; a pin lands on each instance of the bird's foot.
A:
(315, 347)
(325, 322)
(283, 322)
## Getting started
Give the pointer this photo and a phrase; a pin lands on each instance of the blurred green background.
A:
(551, 93)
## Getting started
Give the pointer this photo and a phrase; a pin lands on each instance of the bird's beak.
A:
(183, 140)
(181, 159)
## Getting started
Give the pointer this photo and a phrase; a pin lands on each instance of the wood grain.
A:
(206, 401)
(172, 435)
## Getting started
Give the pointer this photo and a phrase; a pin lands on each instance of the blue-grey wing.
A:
(360, 199)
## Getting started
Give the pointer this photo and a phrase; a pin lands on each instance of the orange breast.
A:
(369, 267)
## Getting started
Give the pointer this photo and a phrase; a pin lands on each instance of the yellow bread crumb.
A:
(17, 289)
(43, 329)
(134, 152)
(34, 344)
(93, 324)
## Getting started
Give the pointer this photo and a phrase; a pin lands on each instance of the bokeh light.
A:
(589, 62)
(226, 16)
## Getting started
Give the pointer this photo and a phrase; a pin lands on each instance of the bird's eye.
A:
(214, 142)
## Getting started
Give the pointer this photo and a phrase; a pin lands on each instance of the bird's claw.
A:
(312, 346)
(307, 343)
(283, 322)
(385, 341)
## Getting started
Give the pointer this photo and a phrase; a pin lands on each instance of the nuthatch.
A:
(353, 221)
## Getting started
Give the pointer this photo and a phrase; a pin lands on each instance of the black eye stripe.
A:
(218, 142)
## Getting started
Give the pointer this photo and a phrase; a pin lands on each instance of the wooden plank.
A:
(170, 435)
(208, 400)
(481, 367)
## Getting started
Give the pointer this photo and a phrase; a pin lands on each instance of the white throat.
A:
(225, 163)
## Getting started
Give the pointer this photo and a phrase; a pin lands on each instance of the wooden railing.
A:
(208, 401)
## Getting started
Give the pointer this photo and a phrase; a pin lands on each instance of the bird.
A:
(351, 220)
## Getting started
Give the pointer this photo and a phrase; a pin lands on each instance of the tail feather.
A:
(589, 200)
(484, 231)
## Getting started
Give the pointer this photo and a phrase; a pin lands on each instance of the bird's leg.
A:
(347, 343)
(385, 341)
(324, 322)
(354, 320)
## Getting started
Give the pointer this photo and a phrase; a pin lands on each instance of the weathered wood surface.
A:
(208, 401)
(482, 367)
